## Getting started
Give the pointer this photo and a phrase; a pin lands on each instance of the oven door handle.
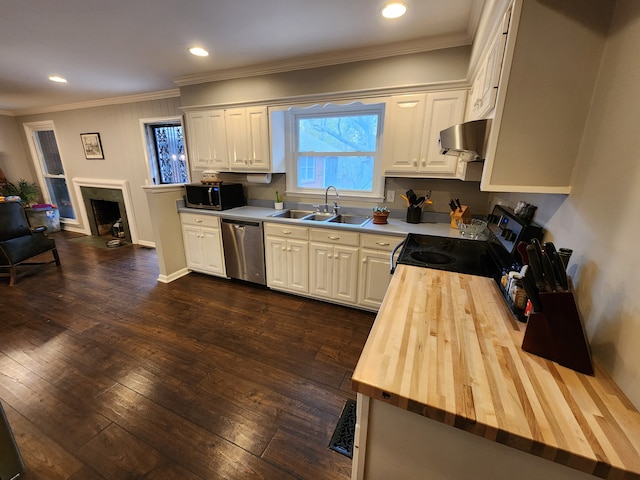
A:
(392, 264)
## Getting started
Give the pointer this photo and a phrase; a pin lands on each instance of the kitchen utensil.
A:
(411, 195)
(536, 243)
(522, 250)
(453, 206)
(561, 273)
(549, 274)
(535, 263)
(458, 204)
(565, 255)
(549, 249)
(529, 284)
(404, 197)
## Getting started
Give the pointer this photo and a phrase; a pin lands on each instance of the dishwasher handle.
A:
(392, 265)
(242, 223)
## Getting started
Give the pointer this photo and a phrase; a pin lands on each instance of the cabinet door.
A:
(374, 277)
(237, 137)
(193, 247)
(345, 273)
(444, 109)
(298, 265)
(403, 133)
(276, 262)
(213, 256)
(321, 270)
(207, 140)
(258, 136)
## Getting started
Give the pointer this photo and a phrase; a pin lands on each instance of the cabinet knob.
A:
(415, 162)
(283, 249)
(285, 232)
(333, 238)
(364, 260)
(198, 220)
(383, 244)
(289, 249)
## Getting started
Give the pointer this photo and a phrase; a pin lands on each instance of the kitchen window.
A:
(335, 145)
(165, 150)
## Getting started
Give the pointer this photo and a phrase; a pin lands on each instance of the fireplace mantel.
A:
(122, 185)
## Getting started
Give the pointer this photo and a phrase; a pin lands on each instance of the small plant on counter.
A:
(278, 197)
(380, 215)
(381, 210)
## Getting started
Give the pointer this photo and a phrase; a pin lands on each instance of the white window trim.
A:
(367, 106)
(30, 128)
(144, 124)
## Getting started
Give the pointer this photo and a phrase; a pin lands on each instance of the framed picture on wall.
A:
(92, 146)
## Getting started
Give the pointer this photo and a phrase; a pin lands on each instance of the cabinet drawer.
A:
(335, 236)
(379, 242)
(286, 231)
(200, 220)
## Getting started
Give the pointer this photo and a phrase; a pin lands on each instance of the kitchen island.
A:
(446, 392)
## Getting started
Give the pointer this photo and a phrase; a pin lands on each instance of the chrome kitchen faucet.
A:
(326, 200)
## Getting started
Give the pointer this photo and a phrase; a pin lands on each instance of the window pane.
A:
(355, 133)
(59, 194)
(50, 156)
(172, 162)
(343, 172)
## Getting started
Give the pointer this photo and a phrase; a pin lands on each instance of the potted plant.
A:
(27, 191)
(380, 215)
(279, 204)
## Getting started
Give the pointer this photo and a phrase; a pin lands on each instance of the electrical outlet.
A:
(391, 196)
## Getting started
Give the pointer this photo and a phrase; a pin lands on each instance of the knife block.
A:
(557, 333)
(458, 214)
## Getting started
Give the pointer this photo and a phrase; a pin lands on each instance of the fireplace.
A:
(105, 207)
(103, 203)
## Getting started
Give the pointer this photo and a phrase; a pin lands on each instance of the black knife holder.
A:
(557, 333)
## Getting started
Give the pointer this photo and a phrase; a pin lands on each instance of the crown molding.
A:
(324, 60)
(141, 97)
(6, 113)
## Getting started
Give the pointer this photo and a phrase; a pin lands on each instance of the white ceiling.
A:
(112, 48)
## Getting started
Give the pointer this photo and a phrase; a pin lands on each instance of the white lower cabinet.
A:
(203, 243)
(374, 275)
(287, 257)
(333, 268)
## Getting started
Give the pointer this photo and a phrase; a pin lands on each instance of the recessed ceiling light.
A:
(199, 52)
(56, 78)
(394, 10)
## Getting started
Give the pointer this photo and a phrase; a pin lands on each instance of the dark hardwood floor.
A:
(107, 374)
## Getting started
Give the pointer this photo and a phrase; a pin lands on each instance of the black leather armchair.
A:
(19, 242)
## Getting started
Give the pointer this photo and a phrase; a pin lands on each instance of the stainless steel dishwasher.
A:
(243, 250)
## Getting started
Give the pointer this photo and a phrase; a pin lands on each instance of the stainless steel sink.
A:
(292, 214)
(318, 216)
(350, 219)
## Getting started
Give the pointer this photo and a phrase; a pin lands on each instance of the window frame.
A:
(374, 106)
(151, 160)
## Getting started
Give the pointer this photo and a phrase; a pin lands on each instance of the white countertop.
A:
(395, 226)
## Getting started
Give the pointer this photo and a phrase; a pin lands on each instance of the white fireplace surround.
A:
(122, 185)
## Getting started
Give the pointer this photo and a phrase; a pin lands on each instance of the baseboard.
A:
(174, 276)
(145, 243)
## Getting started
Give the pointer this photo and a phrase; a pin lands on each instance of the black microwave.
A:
(214, 196)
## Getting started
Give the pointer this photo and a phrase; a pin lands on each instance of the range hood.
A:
(466, 140)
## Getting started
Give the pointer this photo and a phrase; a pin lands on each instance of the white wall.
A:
(12, 154)
(600, 220)
(120, 133)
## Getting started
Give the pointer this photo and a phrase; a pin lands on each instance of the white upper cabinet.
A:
(413, 123)
(248, 138)
(207, 140)
(551, 63)
(235, 139)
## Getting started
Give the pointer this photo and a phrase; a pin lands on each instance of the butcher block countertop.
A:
(444, 345)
